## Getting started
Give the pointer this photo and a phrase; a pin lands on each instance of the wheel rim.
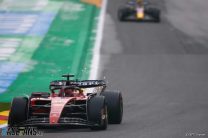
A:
(104, 115)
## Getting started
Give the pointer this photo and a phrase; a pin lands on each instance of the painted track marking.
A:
(96, 51)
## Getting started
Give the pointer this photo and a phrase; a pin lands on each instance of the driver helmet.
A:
(139, 2)
(69, 92)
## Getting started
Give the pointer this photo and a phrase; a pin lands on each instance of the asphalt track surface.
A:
(162, 72)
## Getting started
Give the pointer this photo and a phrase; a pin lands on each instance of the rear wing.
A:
(81, 84)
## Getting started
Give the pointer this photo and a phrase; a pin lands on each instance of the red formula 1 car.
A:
(70, 103)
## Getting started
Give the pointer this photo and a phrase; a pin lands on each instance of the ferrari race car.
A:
(83, 103)
(138, 10)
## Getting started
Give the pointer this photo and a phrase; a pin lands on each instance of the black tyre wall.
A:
(154, 12)
(124, 13)
(19, 111)
(95, 106)
(121, 14)
(114, 103)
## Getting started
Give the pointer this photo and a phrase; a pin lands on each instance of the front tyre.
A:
(114, 103)
(155, 13)
(97, 113)
(121, 15)
(19, 111)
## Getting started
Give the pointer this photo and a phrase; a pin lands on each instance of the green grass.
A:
(4, 106)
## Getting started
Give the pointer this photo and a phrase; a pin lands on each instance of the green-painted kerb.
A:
(66, 48)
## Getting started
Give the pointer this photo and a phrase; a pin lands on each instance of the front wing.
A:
(133, 17)
(63, 121)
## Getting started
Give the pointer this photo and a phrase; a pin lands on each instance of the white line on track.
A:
(96, 51)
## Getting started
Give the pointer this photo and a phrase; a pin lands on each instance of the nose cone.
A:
(57, 106)
(140, 13)
(54, 118)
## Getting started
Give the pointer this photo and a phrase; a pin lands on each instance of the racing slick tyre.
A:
(40, 94)
(155, 13)
(19, 111)
(114, 103)
(97, 112)
(123, 13)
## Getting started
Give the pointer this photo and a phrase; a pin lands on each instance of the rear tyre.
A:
(97, 112)
(114, 103)
(19, 111)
